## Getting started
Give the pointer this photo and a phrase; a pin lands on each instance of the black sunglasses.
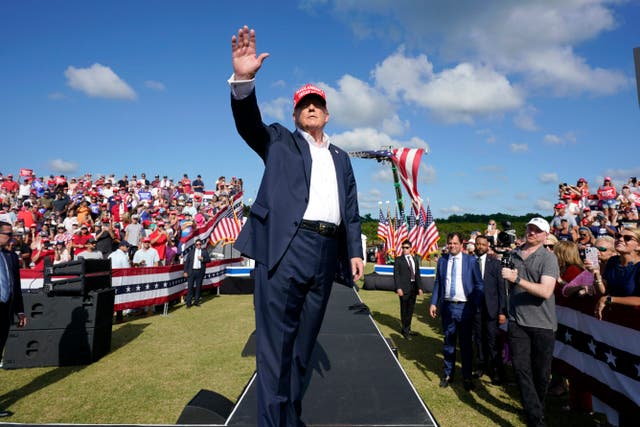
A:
(7, 233)
(406, 247)
(548, 246)
(625, 237)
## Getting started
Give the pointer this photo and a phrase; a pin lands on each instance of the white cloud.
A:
(155, 85)
(548, 177)
(279, 84)
(536, 40)
(552, 139)
(543, 205)
(458, 94)
(99, 81)
(519, 148)
(567, 138)
(490, 138)
(279, 109)
(485, 194)
(453, 210)
(63, 166)
(371, 139)
(55, 96)
(521, 196)
(355, 104)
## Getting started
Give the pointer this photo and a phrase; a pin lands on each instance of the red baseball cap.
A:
(308, 90)
(560, 206)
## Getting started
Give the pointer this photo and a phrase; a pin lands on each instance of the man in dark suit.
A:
(10, 291)
(457, 290)
(195, 265)
(490, 315)
(406, 276)
(303, 230)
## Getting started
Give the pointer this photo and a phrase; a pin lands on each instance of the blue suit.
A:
(295, 267)
(457, 319)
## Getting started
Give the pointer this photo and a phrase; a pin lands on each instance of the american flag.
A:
(431, 236)
(228, 227)
(383, 226)
(407, 160)
(204, 232)
(414, 230)
(401, 233)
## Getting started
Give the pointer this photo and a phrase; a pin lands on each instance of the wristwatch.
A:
(517, 281)
(608, 300)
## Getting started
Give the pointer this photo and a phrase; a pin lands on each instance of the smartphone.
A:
(591, 254)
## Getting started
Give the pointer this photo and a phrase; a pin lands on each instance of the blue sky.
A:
(509, 98)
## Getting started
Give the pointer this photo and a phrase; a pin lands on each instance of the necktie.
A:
(481, 267)
(454, 271)
(5, 279)
(411, 269)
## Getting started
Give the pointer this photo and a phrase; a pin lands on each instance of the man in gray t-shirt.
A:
(133, 232)
(532, 317)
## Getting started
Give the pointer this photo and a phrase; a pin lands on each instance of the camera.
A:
(506, 261)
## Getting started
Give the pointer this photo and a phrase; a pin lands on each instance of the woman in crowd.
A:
(492, 232)
(585, 240)
(571, 266)
(621, 273)
(565, 232)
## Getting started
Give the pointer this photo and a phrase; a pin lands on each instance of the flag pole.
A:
(396, 184)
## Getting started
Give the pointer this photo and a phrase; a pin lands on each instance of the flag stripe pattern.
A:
(407, 160)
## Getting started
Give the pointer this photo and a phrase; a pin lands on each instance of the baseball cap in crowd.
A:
(124, 243)
(541, 223)
(308, 90)
(560, 206)
(84, 226)
(582, 180)
(146, 240)
(607, 178)
(161, 223)
(586, 209)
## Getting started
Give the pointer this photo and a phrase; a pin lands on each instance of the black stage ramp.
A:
(355, 378)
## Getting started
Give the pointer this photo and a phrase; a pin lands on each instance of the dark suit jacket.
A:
(283, 196)
(471, 280)
(402, 275)
(15, 302)
(188, 262)
(495, 292)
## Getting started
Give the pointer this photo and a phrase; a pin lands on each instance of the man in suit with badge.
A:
(195, 265)
(10, 291)
(457, 292)
(490, 315)
(406, 276)
(303, 231)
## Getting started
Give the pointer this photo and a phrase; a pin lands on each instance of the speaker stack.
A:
(69, 322)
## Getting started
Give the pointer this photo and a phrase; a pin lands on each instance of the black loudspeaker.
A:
(55, 312)
(56, 347)
(207, 407)
(61, 330)
(636, 58)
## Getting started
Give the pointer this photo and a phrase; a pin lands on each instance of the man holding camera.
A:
(532, 317)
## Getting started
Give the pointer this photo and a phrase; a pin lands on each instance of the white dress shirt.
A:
(459, 289)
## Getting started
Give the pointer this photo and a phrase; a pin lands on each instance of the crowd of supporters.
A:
(66, 218)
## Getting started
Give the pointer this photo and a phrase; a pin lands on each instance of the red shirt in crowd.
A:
(80, 239)
(160, 244)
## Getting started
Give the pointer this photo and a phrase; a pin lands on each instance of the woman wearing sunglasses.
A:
(621, 274)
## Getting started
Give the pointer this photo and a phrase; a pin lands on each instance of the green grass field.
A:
(158, 363)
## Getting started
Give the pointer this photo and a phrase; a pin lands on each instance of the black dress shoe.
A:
(5, 414)
(444, 382)
(478, 373)
(468, 385)
(413, 334)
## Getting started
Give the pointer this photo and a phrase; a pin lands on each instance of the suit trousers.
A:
(290, 302)
(456, 324)
(407, 305)
(487, 344)
(5, 322)
(531, 355)
(194, 286)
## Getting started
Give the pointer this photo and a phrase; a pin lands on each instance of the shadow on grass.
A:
(426, 354)
(125, 334)
(37, 384)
